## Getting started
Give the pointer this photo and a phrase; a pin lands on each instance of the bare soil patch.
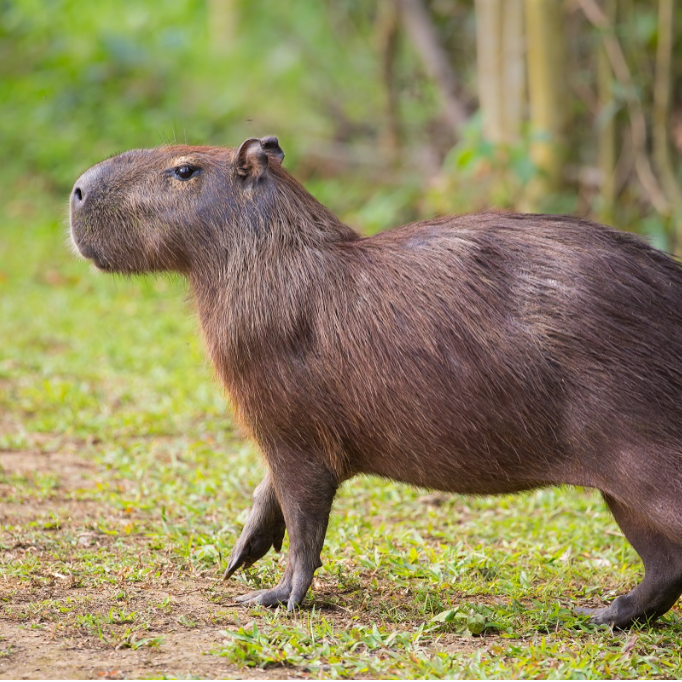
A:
(40, 654)
(52, 628)
(74, 472)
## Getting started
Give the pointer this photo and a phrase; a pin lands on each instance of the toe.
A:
(584, 611)
(274, 597)
(603, 616)
(249, 597)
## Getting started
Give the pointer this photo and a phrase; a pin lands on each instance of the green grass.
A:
(125, 484)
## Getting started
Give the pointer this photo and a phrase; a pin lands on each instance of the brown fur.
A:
(483, 353)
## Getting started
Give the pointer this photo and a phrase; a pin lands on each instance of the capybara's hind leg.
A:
(662, 583)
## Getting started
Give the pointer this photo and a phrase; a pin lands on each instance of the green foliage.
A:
(82, 82)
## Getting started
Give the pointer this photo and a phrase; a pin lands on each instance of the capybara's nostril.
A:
(78, 194)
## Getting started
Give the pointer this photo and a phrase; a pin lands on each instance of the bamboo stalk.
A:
(222, 24)
(387, 29)
(661, 112)
(638, 128)
(607, 129)
(513, 68)
(488, 62)
(500, 51)
(547, 93)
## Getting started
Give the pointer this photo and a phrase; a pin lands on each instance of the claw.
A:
(242, 560)
(240, 556)
(231, 568)
(250, 598)
(264, 529)
(277, 540)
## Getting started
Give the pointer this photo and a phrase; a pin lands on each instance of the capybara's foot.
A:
(277, 596)
(620, 614)
(600, 616)
(662, 556)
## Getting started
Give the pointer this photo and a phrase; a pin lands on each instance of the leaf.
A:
(476, 624)
(629, 645)
(445, 616)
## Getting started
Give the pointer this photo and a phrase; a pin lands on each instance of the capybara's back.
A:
(482, 353)
(489, 352)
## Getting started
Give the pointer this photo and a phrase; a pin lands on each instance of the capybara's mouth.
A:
(98, 262)
(101, 265)
(90, 254)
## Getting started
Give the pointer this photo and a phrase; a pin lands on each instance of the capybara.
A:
(477, 354)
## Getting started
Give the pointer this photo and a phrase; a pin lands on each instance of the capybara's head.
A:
(156, 209)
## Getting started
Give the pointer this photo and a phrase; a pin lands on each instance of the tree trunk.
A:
(501, 70)
(606, 133)
(661, 114)
(547, 95)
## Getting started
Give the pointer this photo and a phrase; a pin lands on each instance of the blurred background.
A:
(388, 110)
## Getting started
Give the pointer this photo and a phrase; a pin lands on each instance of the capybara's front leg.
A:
(263, 529)
(305, 489)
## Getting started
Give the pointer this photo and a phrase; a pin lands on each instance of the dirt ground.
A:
(38, 641)
(37, 656)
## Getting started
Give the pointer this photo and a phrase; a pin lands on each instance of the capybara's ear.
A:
(252, 159)
(271, 146)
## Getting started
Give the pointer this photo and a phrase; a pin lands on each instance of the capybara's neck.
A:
(265, 277)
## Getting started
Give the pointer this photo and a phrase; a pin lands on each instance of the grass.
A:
(125, 484)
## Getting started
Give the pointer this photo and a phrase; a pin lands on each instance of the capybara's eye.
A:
(185, 172)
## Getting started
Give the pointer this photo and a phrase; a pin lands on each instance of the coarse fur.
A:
(477, 354)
